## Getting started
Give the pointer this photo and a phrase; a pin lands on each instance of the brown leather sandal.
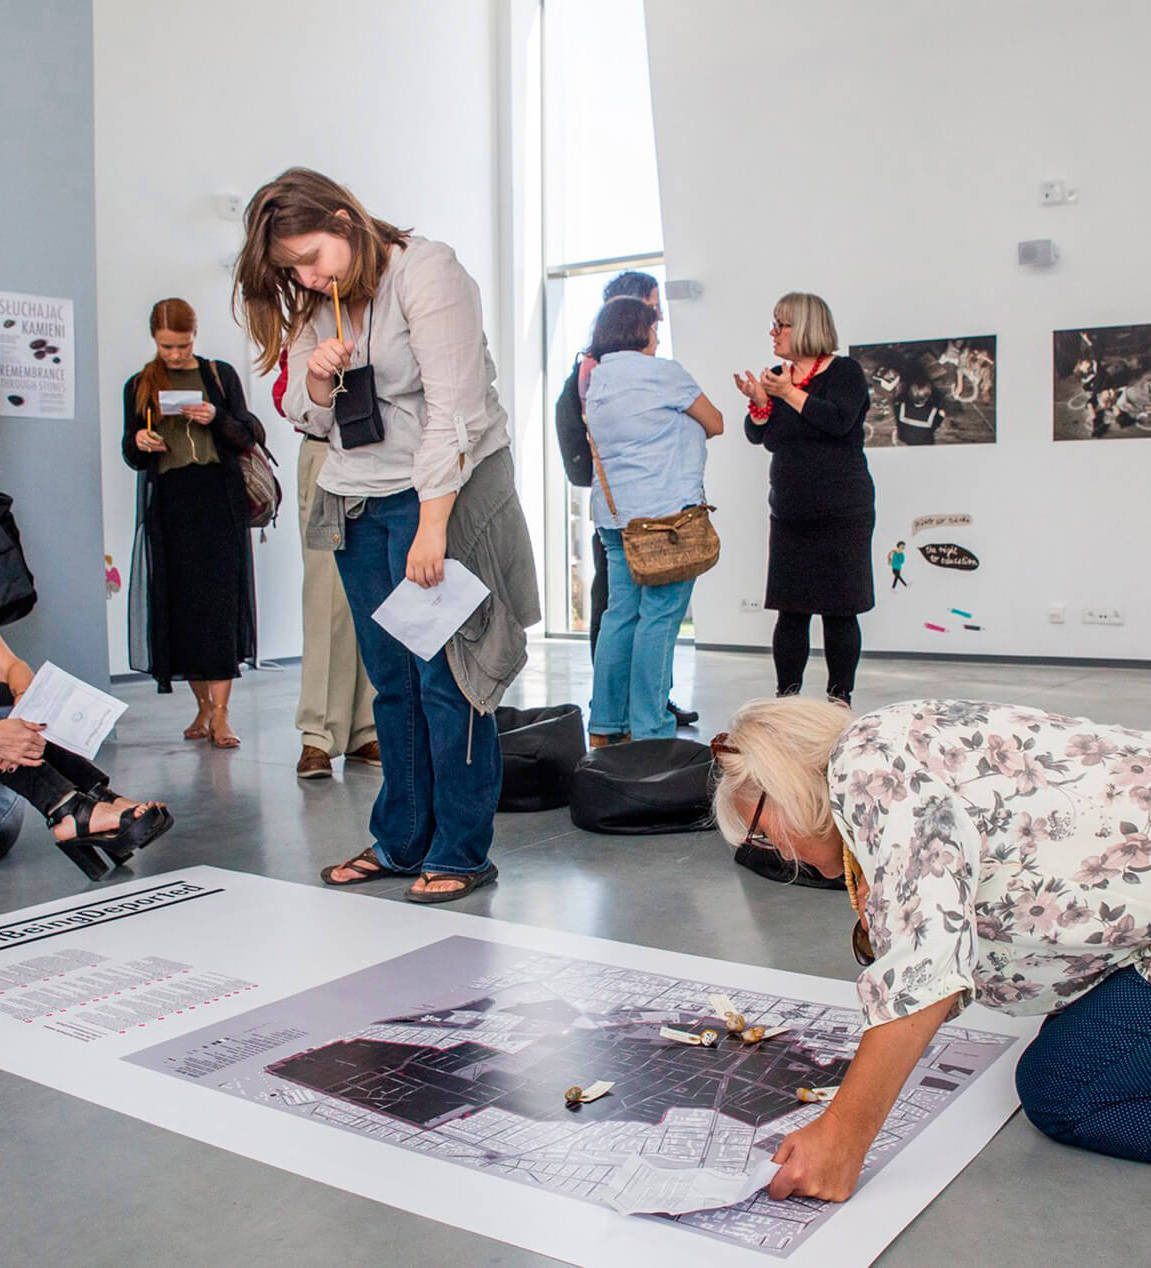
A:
(471, 880)
(366, 864)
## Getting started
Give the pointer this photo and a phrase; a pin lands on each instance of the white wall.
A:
(195, 99)
(888, 157)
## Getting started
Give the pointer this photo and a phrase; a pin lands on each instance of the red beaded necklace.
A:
(761, 413)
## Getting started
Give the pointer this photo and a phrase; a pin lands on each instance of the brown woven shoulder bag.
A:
(666, 548)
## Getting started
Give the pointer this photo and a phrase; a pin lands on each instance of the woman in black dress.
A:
(191, 603)
(809, 415)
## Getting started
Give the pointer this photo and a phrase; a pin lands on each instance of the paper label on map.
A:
(645, 1185)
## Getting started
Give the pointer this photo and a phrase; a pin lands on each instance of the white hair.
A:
(782, 748)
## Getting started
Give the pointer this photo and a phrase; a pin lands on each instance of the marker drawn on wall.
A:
(112, 579)
(968, 622)
(949, 555)
(896, 558)
(957, 519)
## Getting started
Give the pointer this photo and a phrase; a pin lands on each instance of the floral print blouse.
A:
(1007, 851)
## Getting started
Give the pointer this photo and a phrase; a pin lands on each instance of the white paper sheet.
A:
(170, 402)
(648, 1185)
(424, 620)
(78, 716)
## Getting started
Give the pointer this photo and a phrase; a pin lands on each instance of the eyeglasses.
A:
(719, 747)
(778, 327)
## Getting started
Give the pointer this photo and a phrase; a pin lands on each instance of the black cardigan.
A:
(234, 429)
(817, 465)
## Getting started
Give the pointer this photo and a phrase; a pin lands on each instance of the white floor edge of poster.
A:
(365, 931)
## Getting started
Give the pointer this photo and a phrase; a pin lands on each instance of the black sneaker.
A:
(683, 717)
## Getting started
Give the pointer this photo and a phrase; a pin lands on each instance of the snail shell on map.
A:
(573, 1095)
(735, 1021)
(709, 1038)
(754, 1034)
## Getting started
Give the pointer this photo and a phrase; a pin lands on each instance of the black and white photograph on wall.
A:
(1102, 383)
(929, 391)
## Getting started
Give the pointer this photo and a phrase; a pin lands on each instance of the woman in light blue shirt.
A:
(650, 424)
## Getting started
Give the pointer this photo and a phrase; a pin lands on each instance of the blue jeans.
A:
(435, 809)
(633, 657)
(1085, 1080)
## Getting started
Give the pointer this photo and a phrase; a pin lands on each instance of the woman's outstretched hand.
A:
(821, 1160)
(751, 387)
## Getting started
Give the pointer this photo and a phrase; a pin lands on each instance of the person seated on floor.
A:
(85, 815)
(991, 852)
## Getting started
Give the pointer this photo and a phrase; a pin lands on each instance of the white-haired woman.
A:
(809, 413)
(992, 852)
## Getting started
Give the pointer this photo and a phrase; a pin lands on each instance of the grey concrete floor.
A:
(81, 1184)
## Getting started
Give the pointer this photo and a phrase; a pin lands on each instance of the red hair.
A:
(178, 316)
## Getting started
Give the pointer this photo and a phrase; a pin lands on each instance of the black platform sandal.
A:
(110, 796)
(135, 832)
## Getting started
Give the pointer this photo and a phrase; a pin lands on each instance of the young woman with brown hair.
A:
(410, 321)
(191, 602)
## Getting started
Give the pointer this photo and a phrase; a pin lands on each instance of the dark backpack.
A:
(571, 431)
(17, 585)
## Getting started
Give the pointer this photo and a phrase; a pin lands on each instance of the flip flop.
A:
(471, 880)
(374, 873)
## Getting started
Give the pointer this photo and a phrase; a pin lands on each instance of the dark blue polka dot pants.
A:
(1086, 1078)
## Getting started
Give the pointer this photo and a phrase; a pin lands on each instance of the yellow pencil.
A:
(149, 418)
(336, 301)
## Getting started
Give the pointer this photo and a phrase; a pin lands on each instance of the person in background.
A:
(388, 507)
(809, 415)
(992, 853)
(95, 827)
(191, 600)
(649, 423)
(334, 713)
(632, 285)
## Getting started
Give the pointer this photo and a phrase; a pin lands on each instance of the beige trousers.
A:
(335, 709)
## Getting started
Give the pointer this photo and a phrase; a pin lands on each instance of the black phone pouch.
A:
(358, 407)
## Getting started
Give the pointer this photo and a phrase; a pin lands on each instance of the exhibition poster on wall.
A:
(1102, 383)
(37, 357)
(930, 391)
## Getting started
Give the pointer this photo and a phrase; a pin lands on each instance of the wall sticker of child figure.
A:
(895, 561)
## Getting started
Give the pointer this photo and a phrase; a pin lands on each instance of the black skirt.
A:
(821, 565)
(204, 569)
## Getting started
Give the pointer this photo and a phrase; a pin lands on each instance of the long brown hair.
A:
(178, 316)
(275, 306)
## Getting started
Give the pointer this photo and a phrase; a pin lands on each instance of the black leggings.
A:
(791, 643)
(60, 775)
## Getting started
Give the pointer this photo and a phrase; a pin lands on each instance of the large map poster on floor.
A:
(421, 1058)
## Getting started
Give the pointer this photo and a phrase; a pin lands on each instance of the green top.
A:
(189, 443)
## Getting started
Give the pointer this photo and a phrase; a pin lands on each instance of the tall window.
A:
(601, 215)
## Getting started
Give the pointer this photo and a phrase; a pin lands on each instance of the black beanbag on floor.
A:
(766, 861)
(648, 786)
(540, 748)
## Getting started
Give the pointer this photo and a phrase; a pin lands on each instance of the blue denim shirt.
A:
(653, 454)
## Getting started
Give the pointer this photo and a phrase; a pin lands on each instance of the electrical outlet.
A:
(1056, 193)
(1057, 613)
(751, 605)
(1102, 616)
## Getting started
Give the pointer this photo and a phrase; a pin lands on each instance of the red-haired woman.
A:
(191, 603)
